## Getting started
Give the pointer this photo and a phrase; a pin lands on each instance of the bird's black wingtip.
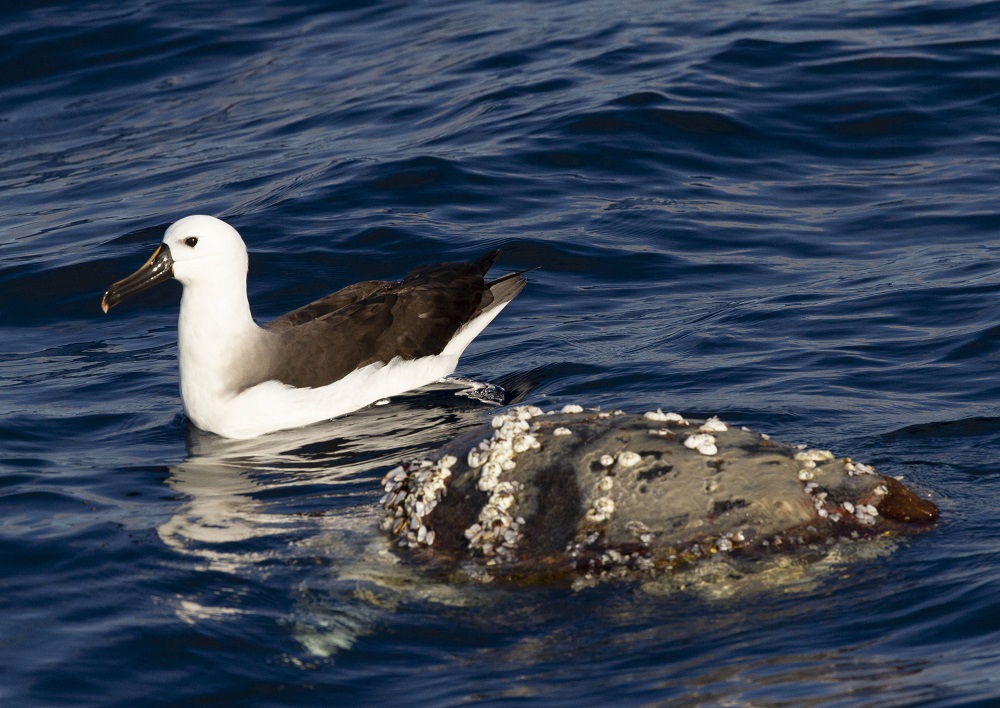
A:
(485, 261)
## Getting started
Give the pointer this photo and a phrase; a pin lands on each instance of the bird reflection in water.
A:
(294, 512)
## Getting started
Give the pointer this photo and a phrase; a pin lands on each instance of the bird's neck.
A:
(215, 336)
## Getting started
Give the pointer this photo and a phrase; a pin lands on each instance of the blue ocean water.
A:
(784, 213)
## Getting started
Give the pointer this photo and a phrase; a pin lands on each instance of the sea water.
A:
(781, 213)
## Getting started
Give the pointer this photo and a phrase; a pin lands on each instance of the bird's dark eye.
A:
(191, 241)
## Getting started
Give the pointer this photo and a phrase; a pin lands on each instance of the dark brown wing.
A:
(325, 305)
(417, 317)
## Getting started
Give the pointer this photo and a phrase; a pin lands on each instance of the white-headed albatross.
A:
(349, 349)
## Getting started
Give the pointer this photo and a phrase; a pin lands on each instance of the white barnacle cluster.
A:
(496, 531)
(601, 509)
(611, 557)
(412, 491)
(512, 434)
(604, 563)
(866, 513)
(627, 458)
(857, 468)
(713, 425)
(571, 408)
(863, 513)
(603, 505)
(562, 431)
(809, 458)
(659, 416)
(702, 442)
(392, 483)
(819, 501)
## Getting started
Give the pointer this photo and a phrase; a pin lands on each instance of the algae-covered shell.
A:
(614, 499)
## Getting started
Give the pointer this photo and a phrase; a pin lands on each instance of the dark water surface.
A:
(781, 212)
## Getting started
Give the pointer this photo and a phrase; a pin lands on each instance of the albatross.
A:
(363, 343)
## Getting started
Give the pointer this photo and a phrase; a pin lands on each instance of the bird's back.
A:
(378, 321)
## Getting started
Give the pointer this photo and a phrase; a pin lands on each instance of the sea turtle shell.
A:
(574, 494)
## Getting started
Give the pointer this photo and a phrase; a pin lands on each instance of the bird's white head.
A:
(205, 250)
(198, 251)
